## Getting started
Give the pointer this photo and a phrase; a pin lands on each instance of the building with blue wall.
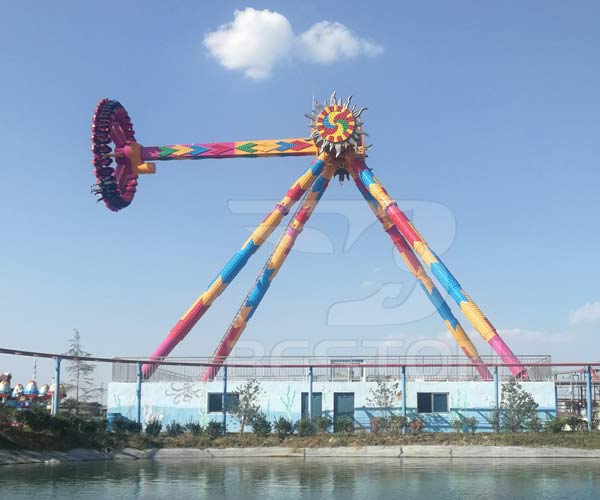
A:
(438, 397)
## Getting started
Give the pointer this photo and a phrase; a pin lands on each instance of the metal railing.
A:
(347, 369)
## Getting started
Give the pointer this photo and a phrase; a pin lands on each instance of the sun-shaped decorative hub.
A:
(335, 123)
(336, 126)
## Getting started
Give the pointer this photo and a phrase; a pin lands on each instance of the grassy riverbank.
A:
(35, 430)
(69, 438)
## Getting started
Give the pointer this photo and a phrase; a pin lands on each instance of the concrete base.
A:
(11, 457)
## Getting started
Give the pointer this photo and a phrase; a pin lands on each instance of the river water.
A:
(280, 479)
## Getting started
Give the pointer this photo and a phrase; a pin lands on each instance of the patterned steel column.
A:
(438, 268)
(415, 267)
(274, 264)
(234, 266)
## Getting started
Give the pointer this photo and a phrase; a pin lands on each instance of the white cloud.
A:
(326, 42)
(254, 42)
(258, 40)
(587, 313)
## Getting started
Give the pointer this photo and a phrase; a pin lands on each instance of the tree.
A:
(518, 409)
(247, 407)
(383, 395)
(81, 381)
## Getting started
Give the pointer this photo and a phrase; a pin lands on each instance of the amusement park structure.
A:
(337, 143)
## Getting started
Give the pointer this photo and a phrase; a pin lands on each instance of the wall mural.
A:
(182, 392)
(288, 401)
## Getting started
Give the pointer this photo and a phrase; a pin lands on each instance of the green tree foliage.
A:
(247, 408)
(80, 383)
(518, 409)
(261, 425)
(174, 429)
(343, 425)
(153, 427)
(214, 430)
(323, 424)
(304, 427)
(194, 428)
(383, 395)
(283, 427)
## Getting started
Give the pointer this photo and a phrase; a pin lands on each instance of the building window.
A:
(215, 401)
(432, 402)
(317, 405)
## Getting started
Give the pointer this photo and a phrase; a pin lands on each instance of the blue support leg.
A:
(310, 393)
(496, 393)
(56, 395)
(138, 393)
(224, 400)
(403, 381)
(589, 396)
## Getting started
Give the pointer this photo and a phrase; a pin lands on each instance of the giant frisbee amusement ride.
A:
(337, 145)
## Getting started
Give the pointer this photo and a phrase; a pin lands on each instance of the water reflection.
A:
(297, 479)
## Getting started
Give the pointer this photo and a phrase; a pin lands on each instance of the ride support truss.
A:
(337, 141)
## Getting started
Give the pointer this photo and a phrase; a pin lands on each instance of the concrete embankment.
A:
(11, 457)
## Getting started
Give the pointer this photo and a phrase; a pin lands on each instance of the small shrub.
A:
(283, 427)
(123, 425)
(214, 430)
(59, 425)
(344, 425)
(84, 425)
(322, 424)
(7, 417)
(554, 425)
(304, 427)
(194, 428)
(472, 423)
(397, 425)
(379, 425)
(153, 427)
(260, 425)
(494, 420)
(36, 420)
(174, 429)
(457, 424)
(416, 425)
(576, 423)
(534, 423)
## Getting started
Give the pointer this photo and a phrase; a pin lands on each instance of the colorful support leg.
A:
(235, 265)
(272, 267)
(415, 267)
(439, 270)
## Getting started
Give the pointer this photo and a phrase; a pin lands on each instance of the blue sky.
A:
(484, 119)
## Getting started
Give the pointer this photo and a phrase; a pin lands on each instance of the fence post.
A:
(56, 395)
(224, 399)
(310, 393)
(403, 382)
(589, 396)
(138, 392)
(496, 388)
(496, 380)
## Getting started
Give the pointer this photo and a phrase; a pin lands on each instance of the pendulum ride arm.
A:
(415, 267)
(235, 265)
(238, 149)
(270, 270)
(119, 159)
(437, 267)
